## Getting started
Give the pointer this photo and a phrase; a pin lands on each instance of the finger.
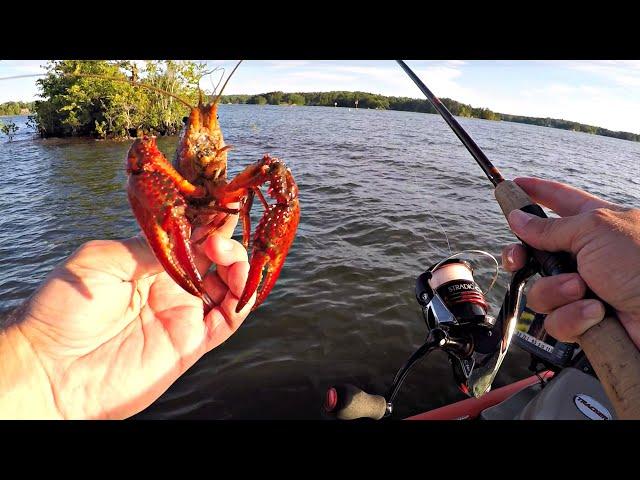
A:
(127, 260)
(237, 275)
(563, 199)
(569, 322)
(215, 287)
(514, 257)
(550, 293)
(225, 230)
(224, 251)
(223, 320)
(550, 234)
(232, 278)
(222, 272)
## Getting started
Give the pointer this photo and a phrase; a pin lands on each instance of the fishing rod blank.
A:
(489, 169)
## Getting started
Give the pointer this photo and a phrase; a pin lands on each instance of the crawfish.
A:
(170, 200)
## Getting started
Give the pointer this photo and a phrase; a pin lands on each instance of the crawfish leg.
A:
(217, 209)
(211, 227)
(262, 199)
(245, 214)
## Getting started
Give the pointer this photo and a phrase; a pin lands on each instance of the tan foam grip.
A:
(356, 403)
(616, 361)
(612, 354)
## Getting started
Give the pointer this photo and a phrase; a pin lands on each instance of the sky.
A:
(604, 93)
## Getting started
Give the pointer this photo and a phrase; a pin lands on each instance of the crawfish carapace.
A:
(201, 156)
(171, 200)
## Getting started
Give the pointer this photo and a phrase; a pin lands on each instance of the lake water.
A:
(373, 187)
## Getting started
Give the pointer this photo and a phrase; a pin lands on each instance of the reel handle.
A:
(612, 354)
(348, 402)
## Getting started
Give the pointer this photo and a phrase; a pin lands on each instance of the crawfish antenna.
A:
(217, 99)
(106, 77)
(215, 89)
(24, 76)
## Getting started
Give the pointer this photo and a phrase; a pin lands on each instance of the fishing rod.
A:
(611, 352)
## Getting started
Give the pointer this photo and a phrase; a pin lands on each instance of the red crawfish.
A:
(170, 200)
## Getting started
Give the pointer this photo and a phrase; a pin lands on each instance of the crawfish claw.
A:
(271, 243)
(159, 206)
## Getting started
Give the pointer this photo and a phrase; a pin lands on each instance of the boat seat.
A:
(510, 408)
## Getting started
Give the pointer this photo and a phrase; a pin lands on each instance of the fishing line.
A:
(482, 252)
(428, 212)
(441, 229)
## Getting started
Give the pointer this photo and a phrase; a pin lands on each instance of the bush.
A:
(9, 129)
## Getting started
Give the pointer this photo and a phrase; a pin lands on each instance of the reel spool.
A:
(451, 283)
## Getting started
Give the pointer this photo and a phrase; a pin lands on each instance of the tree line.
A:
(16, 108)
(569, 125)
(381, 102)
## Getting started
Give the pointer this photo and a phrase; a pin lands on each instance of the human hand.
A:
(109, 331)
(603, 237)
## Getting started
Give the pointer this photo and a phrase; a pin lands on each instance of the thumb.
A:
(548, 234)
(127, 260)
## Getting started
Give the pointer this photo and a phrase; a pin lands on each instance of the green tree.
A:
(274, 98)
(296, 99)
(115, 105)
(9, 129)
(258, 100)
(72, 104)
(234, 99)
(165, 113)
(465, 111)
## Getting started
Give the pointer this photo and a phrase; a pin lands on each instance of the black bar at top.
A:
(489, 169)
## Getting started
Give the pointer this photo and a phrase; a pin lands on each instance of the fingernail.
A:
(593, 311)
(518, 219)
(571, 287)
(511, 255)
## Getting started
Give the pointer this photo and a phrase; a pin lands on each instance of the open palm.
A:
(112, 331)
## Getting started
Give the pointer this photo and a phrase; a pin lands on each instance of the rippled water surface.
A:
(373, 187)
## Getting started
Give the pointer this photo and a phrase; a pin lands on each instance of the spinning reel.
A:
(456, 315)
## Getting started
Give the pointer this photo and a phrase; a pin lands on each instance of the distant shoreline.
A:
(121, 139)
(380, 102)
